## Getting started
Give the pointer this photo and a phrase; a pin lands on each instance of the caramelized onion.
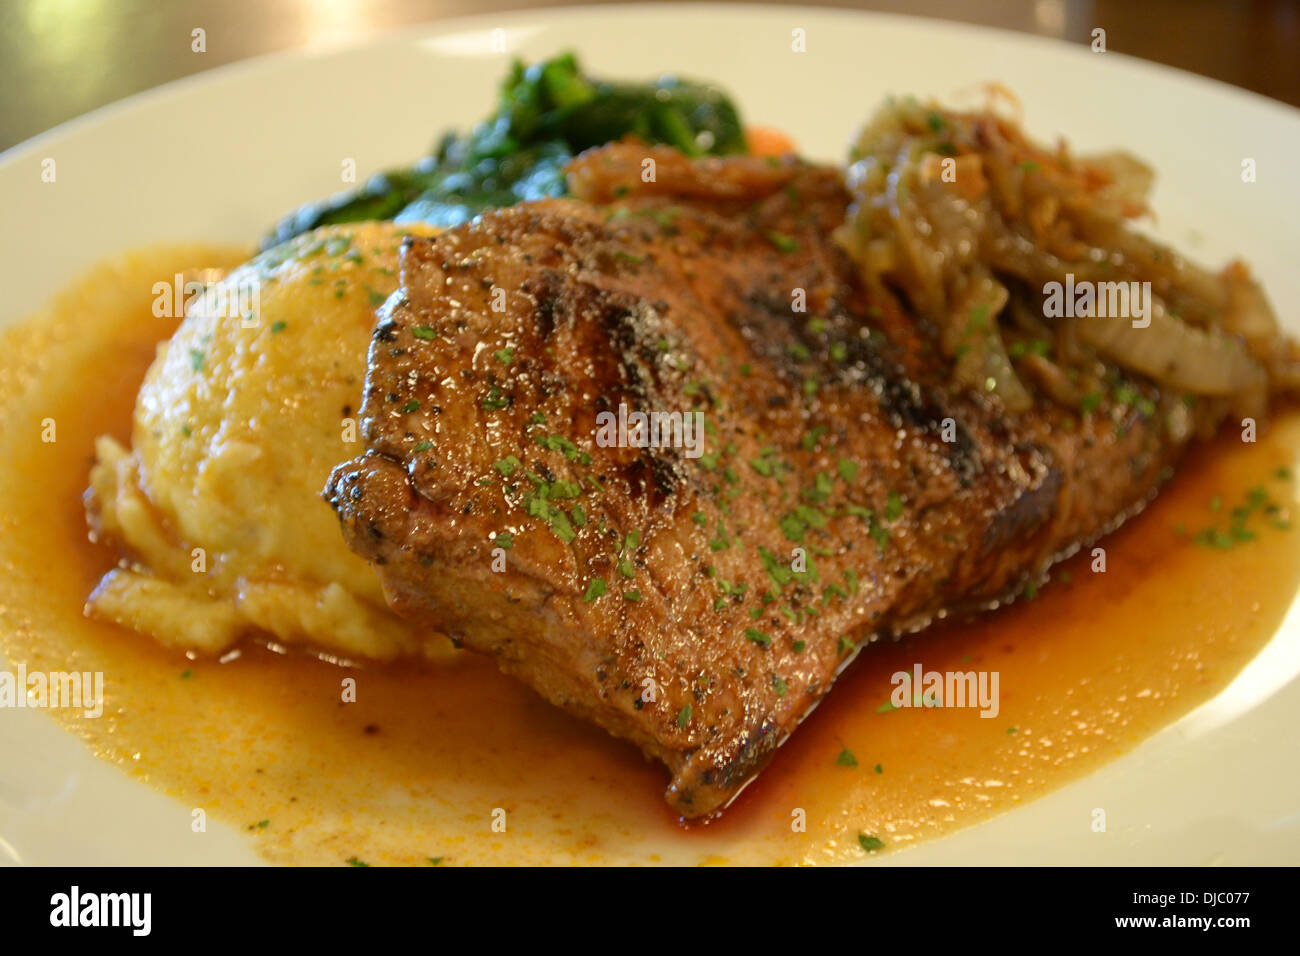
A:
(1198, 361)
(968, 220)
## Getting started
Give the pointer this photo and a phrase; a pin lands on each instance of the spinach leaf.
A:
(546, 114)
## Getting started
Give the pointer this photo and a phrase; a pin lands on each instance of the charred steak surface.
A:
(697, 606)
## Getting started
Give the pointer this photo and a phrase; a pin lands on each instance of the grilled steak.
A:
(697, 606)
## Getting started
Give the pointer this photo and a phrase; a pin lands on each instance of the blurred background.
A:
(62, 58)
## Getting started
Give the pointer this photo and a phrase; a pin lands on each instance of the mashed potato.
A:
(217, 505)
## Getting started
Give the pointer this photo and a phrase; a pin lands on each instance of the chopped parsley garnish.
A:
(412, 406)
(776, 569)
(1039, 347)
(758, 637)
(767, 464)
(721, 542)
(810, 439)
(869, 843)
(495, 401)
(425, 332)
(820, 490)
(423, 446)
(504, 540)
(783, 242)
(1256, 502)
(846, 758)
(505, 356)
(559, 443)
(792, 527)
(595, 588)
(539, 507)
(684, 716)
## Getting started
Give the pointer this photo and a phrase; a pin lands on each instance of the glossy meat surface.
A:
(697, 606)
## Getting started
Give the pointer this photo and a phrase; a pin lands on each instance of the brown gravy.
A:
(415, 768)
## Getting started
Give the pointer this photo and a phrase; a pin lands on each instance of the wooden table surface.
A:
(59, 59)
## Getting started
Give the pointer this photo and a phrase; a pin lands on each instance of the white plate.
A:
(221, 155)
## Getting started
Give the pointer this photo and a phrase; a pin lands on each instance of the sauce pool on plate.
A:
(456, 764)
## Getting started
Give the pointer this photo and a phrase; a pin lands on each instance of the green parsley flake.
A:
(869, 843)
(783, 242)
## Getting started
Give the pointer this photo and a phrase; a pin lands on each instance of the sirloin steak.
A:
(698, 606)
